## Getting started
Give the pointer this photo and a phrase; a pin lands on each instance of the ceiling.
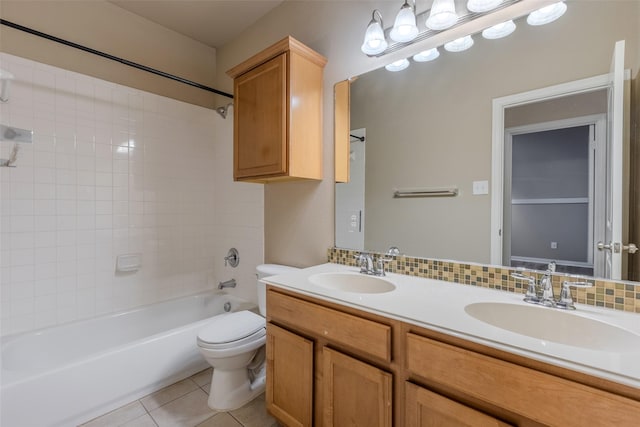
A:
(212, 22)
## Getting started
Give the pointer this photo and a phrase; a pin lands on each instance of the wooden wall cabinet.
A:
(277, 114)
(331, 365)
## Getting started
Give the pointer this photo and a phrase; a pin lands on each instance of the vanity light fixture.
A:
(458, 45)
(427, 55)
(405, 28)
(547, 14)
(398, 65)
(500, 30)
(374, 40)
(442, 15)
(481, 6)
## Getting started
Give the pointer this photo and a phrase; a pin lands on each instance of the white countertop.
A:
(440, 306)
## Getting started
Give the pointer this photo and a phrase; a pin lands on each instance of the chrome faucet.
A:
(566, 301)
(371, 265)
(541, 293)
(546, 286)
(227, 284)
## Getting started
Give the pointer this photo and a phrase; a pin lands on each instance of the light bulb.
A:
(458, 45)
(374, 40)
(442, 15)
(500, 30)
(427, 55)
(547, 14)
(405, 28)
(481, 6)
(398, 65)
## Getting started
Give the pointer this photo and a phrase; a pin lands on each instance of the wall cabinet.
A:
(278, 114)
(331, 365)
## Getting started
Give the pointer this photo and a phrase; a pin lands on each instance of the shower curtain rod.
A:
(113, 58)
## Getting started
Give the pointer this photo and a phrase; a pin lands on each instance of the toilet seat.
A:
(232, 330)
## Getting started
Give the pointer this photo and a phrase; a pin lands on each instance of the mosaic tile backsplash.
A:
(604, 293)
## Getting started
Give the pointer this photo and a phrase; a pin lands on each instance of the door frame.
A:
(597, 124)
(497, 147)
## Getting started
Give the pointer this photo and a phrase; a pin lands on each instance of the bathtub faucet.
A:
(228, 284)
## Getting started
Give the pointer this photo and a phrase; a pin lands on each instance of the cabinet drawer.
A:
(516, 388)
(365, 336)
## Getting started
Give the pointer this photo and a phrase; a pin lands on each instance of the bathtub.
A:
(69, 374)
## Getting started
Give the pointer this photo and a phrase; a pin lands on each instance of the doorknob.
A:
(616, 247)
(602, 247)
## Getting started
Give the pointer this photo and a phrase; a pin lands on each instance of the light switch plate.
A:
(480, 187)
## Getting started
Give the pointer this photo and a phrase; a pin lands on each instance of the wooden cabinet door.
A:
(289, 393)
(427, 409)
(260, 120)
(355, 394)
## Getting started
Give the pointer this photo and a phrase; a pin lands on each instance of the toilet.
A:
(234, 344)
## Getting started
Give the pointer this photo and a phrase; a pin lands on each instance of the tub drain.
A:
(227, 307)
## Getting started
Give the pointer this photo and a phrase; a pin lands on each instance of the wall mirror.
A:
(429, 127)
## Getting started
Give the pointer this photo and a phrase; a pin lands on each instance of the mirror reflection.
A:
(429, 127)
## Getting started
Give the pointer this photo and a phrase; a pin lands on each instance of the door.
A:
(613, 247)
(260, 120)
(289, 392)
(551, 210)
(427, 409)
(356, 394)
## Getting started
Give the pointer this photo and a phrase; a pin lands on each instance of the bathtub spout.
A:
(228, 284)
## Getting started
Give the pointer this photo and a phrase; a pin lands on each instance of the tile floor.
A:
(184, 404)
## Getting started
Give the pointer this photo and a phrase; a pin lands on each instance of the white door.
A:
(612, 245)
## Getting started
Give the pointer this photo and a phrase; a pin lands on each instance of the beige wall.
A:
(105, 27)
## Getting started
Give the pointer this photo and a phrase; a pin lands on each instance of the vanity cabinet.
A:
(351, 381)
(278, 114)
(516, 393)
(333, 365)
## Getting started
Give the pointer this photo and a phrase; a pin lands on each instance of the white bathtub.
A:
(69, 374)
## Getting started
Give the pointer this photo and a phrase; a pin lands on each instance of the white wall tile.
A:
(114, 170)
(44, 239)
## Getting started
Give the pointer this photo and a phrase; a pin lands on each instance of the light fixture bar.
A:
(426, 33)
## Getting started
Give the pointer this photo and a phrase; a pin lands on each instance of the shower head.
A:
(224, 110)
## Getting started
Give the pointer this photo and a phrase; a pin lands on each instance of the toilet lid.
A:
(231, 327)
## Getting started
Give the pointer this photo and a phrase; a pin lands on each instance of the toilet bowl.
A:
(233, 344)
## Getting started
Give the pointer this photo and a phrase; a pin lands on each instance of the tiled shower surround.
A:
(604, 293)
(113, 170)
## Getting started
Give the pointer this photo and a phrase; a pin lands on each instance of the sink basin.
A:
(548, 324)
(352, 282)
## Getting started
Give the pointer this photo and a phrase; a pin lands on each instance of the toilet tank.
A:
(266, 270)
